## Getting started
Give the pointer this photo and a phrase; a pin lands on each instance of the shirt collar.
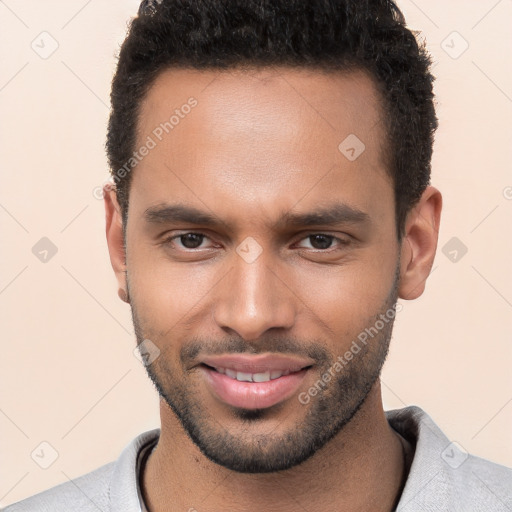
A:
(428, 466)
(431, 471)
(124, 492)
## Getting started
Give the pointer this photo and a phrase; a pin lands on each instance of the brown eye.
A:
(321, 241)
(191, 240)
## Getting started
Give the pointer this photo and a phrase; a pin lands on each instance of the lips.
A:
(258, 363)
(253, 377)
(254, 382)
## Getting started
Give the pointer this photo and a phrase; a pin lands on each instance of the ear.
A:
(115, 242)
(419, 244)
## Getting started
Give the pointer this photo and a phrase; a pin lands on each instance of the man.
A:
(271, 164)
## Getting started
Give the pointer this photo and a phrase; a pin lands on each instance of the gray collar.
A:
(442, 477)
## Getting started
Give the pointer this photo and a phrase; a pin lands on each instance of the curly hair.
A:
(370, 35)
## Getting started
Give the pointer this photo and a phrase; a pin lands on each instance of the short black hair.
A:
(370, 35)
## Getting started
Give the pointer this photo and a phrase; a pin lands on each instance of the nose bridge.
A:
(253, 298)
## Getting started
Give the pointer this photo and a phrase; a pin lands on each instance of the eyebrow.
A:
(337, 213)
(167, 213)
(330, 215)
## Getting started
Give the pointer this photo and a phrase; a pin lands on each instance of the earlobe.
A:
(123, 295)
(419, 244)
(115, 239)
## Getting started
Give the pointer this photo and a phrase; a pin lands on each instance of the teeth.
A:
(231, 373)
(261, 377)
(253, 377)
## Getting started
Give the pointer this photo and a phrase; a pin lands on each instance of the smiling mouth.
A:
(254, 381)
(263, 376)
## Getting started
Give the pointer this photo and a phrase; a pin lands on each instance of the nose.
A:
(253, 299)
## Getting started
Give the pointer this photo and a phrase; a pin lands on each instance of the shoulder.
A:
(480, 484)
(87, 492)
(443, 476)
(110, 488)
(476, 485)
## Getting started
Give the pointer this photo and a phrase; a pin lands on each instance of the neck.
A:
(360, 469)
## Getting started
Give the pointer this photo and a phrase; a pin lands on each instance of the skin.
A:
(250, 129)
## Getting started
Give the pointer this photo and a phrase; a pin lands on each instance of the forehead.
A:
(262, 139)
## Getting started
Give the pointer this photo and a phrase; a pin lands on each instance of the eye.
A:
(188, 241)
(322, 242)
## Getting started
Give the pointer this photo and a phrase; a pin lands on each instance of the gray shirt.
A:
(442, 477)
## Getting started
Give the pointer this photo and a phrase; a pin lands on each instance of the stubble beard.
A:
(246, 450)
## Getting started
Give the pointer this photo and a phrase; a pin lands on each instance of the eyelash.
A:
(341, 242)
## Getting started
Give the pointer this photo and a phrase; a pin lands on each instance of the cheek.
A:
(167, 293)
(346, 298)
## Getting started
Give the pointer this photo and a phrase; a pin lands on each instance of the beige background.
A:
(68, 373)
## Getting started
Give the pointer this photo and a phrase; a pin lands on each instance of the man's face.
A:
(262, 283)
